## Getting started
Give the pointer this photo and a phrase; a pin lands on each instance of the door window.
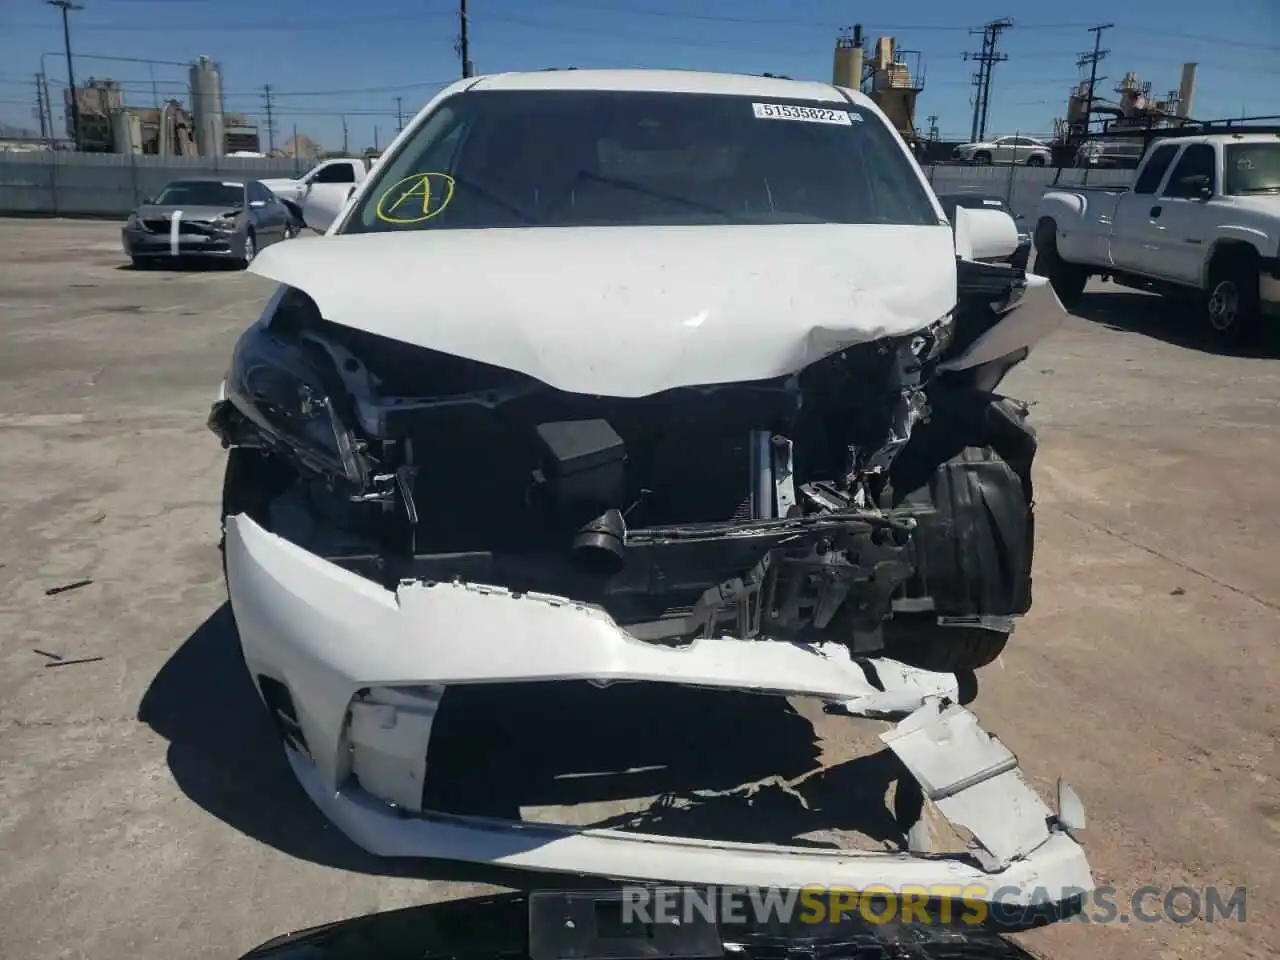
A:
(1149, 180)
(1196, 161)
(337, 173)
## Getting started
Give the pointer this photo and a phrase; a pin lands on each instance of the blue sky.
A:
(329, 59)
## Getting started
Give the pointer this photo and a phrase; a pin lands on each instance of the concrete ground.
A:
(144, 809)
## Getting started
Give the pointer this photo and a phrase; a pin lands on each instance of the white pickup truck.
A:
(1202, 220)
(341, 172)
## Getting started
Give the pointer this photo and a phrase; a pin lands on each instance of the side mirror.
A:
(324, 203)
(984, 234)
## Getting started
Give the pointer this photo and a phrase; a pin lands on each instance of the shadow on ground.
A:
(1160, 318)
(515, 925)
(181, 265)
(717, 762)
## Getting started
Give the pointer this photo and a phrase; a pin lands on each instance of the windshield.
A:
(588, 158)
(202, 193)
(1252, 168)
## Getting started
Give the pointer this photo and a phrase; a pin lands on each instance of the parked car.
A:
(1034, 153)
(699, 392)
(225, 219)
(1118, 154)
(1201, 221)
(988, 201)
(340, 174)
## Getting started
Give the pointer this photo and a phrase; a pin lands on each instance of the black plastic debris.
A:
(53, 591)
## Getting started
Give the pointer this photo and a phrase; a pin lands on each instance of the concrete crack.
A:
(1182, 564)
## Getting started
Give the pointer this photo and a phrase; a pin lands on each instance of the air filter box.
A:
(583, 463)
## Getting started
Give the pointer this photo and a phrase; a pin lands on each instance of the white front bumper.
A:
(328, 634)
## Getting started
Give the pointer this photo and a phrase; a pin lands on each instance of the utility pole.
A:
(44, 128)
(66, 6)
(463, 48)
(48, 106)
(344, 134)
(271, 120)
(982, 79)
(399, 114)
(375, 138)
(1093, 59)
(932, 120)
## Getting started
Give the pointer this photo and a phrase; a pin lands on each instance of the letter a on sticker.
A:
(422, 188)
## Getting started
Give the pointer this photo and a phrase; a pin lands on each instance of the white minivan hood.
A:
(630, 311)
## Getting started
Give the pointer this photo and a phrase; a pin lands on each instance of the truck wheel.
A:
(1233, 300)
(919, 641)
(1067, 279)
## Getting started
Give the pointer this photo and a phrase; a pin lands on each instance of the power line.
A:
(1092, 60)
(986, 59)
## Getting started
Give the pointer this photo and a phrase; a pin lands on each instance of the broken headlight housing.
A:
(283, 386)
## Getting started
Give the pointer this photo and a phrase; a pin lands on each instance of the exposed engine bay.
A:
(877, 486)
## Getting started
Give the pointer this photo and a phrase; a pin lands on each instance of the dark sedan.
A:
(226, 219)
(987, 201)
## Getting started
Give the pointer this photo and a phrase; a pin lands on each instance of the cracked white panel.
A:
(973, 779)
(389, 733)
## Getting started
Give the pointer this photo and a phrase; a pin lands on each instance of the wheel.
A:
(290, 230)
(982, 156)
(250, 249)
(919, 641)
(1035, 160)
(1067, 279)
(1233, 300)
(140, 263)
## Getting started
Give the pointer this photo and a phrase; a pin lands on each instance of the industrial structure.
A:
(892, 77)
(1132, 107)
(99, 120)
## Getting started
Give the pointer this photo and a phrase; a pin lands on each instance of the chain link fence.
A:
(65, 184)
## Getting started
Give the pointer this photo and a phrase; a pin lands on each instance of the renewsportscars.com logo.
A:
(942, 904)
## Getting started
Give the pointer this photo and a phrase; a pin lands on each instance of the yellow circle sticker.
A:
(416, 198)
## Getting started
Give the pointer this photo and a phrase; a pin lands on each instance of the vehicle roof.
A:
(239, 181)
(671, 81)
(960, 196)
(1212, 138)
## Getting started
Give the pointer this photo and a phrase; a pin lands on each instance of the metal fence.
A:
(1019, 186)
(65, 184)
(61, 183)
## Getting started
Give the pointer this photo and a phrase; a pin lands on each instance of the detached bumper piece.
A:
(364, 668)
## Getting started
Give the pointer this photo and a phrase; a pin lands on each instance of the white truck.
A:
(1201, 222)
(340, 173)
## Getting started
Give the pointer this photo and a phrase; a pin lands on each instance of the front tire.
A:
(250, 249)
(982, 158)
(1067, 279)
(1035, 161)
(921, 642)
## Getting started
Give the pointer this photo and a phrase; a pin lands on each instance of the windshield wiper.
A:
(493, 198)
(635, 187)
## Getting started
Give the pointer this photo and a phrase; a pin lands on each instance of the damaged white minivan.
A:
(641, 376)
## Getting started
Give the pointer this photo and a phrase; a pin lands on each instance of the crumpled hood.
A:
(152, 211)
(630, 311)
